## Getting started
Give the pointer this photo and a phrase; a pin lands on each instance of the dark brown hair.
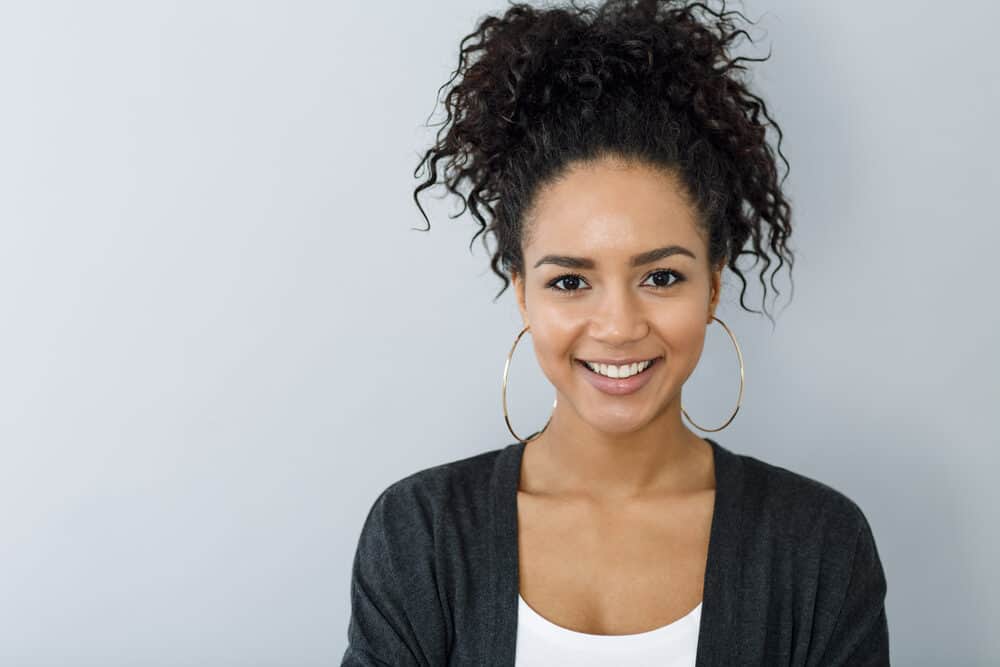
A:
(647, 81)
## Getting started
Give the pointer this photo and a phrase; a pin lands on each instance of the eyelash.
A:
(678, 276)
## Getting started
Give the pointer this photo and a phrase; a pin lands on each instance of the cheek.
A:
(683, 330)
(553, 340)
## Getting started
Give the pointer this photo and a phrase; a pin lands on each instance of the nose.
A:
(619, 319)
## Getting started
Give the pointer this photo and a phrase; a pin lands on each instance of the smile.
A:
(636, 376)
(624, 371)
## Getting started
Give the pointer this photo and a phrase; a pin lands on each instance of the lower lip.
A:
(619, 386)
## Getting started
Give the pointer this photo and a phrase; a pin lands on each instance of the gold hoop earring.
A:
(503, 394)
(739, 398)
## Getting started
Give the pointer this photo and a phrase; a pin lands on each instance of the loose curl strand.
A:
(537, 90)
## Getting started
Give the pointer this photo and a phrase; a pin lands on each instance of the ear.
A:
(519, 290)
(715, 280)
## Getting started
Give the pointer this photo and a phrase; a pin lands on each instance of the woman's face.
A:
(616, 269)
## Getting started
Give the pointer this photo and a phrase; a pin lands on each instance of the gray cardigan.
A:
(793, 576)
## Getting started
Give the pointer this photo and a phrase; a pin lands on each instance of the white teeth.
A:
(619, 372)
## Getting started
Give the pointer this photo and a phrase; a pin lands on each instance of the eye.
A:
(663, 273)
(573, 280)
(570, 278)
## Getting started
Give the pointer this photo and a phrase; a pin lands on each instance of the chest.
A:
(613, 571)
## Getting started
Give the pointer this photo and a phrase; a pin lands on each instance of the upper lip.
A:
(617, 362)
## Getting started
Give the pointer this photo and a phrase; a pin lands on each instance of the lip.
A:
(619, 386)
(616, 362)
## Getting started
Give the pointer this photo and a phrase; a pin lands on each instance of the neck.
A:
(572, 458)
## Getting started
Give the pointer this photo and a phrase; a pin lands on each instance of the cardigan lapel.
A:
(503, 551)
(717, 631)
(722, 570)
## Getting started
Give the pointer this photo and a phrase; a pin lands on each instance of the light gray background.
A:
(220, 339)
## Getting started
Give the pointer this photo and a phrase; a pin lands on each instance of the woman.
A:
(621, 166)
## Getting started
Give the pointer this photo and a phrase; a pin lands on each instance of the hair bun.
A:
(537, 89)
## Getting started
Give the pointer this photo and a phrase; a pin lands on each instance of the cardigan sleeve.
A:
(396, 617)
(860, 635)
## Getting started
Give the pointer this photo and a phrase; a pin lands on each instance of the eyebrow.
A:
(636, 260)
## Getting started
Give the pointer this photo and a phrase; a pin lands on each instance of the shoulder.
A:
(808, 545)
(440, 482)
(801, 550)
(418, 551)
(432, 498)
(789, 505)
(808, 533)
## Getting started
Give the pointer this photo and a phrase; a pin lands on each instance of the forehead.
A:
(610, 207)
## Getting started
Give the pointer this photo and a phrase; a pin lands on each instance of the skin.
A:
(616, 495)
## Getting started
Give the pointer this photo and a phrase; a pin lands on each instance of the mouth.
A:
(620, 386)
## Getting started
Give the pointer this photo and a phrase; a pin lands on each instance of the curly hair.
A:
(642, 80)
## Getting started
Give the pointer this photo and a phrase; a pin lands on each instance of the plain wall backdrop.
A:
(220, 337)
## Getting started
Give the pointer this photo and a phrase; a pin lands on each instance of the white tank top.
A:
(540, 642)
